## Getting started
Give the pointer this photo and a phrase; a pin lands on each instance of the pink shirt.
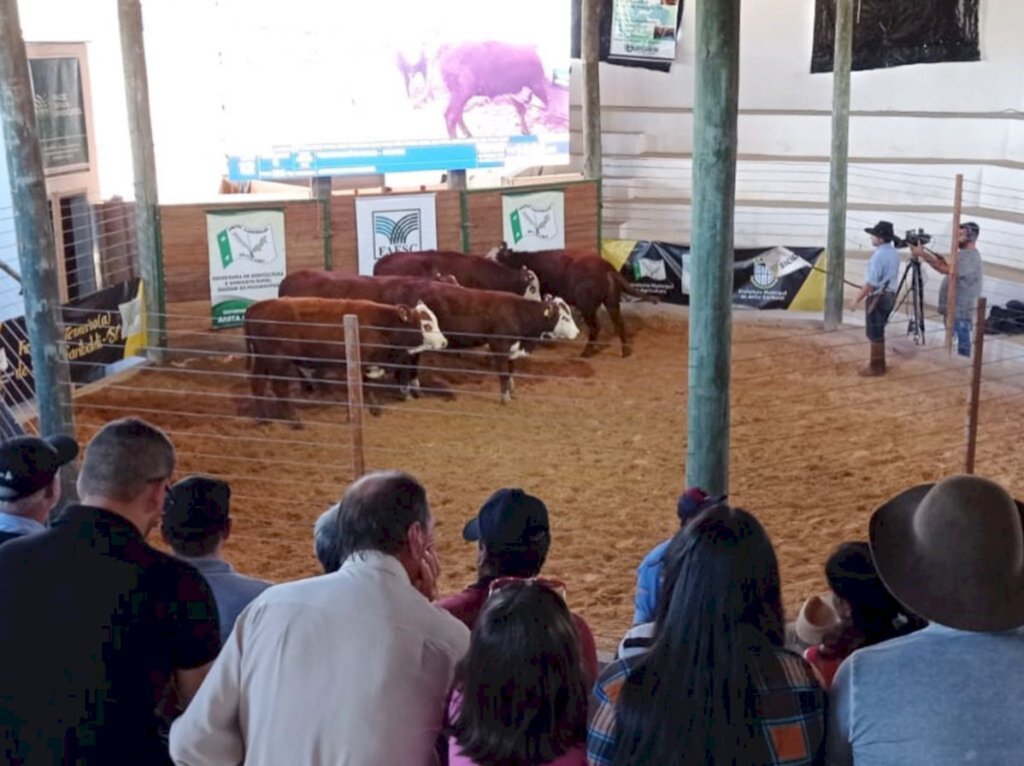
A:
(575, 757)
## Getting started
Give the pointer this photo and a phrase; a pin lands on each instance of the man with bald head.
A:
(348, 667)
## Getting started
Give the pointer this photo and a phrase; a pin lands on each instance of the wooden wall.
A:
(186, 258)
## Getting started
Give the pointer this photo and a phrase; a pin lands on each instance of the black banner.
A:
(93, 338)
(60, 112)
(890, 33)
(763, 278)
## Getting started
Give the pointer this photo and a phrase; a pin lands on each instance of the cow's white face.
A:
(565, 328)
(532, 286)
(433, 339)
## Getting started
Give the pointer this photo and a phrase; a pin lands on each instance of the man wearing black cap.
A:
(968, 283)
(513, 537)
(196, 524)
(30, 482)
(880, 282)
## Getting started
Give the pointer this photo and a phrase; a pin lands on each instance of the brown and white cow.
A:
(283, 333)
(508, 324)
(584, 279)
(472, 271)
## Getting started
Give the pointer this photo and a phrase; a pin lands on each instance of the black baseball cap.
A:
(29, 463)
(198, 504)
(509, 517)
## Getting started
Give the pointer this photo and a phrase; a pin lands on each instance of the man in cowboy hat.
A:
(880, 282)
(968, 283)
(952, 552)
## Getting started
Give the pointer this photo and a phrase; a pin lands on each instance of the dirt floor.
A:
(603, 441)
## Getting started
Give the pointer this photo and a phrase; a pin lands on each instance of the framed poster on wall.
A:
(644, 30)
(247, 261)
(392, 224)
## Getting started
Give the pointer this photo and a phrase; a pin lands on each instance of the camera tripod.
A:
(915, 292)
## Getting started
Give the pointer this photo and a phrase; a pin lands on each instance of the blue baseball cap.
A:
(509, 517)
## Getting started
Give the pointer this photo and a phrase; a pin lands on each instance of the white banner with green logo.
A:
(247, 261)
(394, 224)
(534, 221)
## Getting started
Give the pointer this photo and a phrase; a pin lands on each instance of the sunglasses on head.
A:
(550, 583)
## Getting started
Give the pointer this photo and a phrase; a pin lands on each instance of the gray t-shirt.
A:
(938, 697)
(968, 285)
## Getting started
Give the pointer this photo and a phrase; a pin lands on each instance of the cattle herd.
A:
(426, 301)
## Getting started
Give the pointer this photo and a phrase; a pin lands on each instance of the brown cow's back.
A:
(473, 271)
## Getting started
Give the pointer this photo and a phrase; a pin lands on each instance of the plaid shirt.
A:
(791, 706)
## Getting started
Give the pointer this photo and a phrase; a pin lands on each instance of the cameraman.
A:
(880, 281)
(968, 283)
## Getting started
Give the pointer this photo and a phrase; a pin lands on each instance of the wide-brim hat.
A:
(818, 619)
(953, 553)
(882, 230)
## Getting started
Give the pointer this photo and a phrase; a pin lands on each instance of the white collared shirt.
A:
(351, 668)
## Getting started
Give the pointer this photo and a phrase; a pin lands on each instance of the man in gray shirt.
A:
(968, 283)
(196, 524)
(949, 694)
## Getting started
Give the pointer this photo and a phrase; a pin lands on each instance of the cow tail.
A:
(627, 287)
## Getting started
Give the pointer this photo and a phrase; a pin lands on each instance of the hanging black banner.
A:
(888, 33)
(60, 112)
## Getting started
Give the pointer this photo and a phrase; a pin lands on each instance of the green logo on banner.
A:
(224, 245)
(517, 226)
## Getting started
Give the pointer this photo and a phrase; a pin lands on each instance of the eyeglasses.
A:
(550, 583)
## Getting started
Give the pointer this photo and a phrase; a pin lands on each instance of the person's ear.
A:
(224, 535)
(417, 539)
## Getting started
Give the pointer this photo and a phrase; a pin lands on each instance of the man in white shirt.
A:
(350, 668)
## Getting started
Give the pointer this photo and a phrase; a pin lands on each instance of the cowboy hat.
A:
(817, 620)
(882, 230)
(953, 552)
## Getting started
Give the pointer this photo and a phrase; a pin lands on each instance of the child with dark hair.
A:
(859, 611)
(520, 693)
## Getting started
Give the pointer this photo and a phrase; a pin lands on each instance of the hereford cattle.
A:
(584, 279)
(468, 270)
(283, 333)
(509, 324)
(489, 69)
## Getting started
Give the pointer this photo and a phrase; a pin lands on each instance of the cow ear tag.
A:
(547, 313)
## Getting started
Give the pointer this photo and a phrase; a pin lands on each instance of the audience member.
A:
(30, 482)
(196, 524)
(859, 611)
(350, 668)
(513, 537)
(648, 575)
(952, 552)
(98, 629)
(520, 695)
(716, 686)
(325, 540)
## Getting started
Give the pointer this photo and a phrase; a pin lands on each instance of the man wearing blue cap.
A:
(513, 537)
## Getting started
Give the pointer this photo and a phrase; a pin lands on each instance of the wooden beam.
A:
(33, 228)
(322, 186)
(954, 253)
(590, 49)
(711, 279)
(147, 203)
(837, 186)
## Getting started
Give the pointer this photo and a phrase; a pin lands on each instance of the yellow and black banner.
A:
(791, 278)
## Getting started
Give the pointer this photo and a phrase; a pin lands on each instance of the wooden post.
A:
(147, 206)
(954, 252)
(714, 197)
(590, 49)
(33, 227)
(322, 192)
(837, 186)
(974, 402)
(354, 368)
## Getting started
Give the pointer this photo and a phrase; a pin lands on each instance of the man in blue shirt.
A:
(880, 282)
(648, 575)
(196, 524)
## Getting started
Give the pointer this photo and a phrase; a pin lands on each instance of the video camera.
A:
(914, 237)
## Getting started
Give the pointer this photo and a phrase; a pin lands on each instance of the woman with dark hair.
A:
(520, 694)
(716, 686)
(860, 610)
